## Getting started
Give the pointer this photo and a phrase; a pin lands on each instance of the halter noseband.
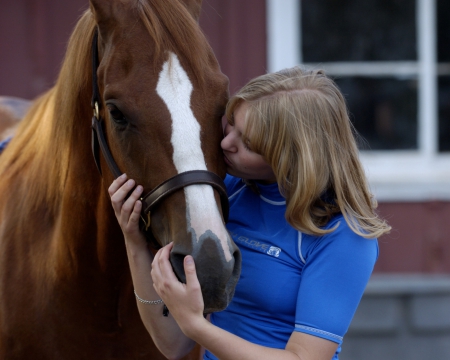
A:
(169, 186)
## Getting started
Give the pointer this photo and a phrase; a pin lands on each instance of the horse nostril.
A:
(237, 263)
(177, 261)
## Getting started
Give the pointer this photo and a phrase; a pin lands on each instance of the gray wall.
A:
(401, 317)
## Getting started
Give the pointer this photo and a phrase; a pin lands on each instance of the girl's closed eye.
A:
(246, 143)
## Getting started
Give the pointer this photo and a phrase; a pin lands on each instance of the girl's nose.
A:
(228, 142)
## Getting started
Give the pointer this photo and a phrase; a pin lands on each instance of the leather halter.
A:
(169, 186)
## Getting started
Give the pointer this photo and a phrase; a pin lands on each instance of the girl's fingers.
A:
(161, 267)
(191, 273)
(121, 193)
(156, 271)
(135, 215)
(164, 264)
(129, 204)
(193, 285)
(164, 254)
(181, 298)
(116, 184)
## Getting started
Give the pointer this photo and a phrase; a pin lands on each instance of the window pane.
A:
(444, 113)
(443, 15)
(383, 110)
(358, 30)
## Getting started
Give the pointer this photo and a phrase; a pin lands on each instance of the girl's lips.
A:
(228, 162)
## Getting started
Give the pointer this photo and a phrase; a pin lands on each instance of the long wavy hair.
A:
(298, 121)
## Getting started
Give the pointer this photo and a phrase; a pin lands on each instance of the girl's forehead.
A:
(240, 116)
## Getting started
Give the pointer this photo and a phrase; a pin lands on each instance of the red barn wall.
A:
(34, 34)
(33, 38)
(419, 241)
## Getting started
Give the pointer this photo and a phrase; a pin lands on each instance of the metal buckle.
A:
(96, 112)
(146, 223)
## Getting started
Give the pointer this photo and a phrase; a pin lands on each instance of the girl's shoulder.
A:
(342, 240)
(341, 228)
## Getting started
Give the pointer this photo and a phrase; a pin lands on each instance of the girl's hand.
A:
(184, 301)
(127, 210)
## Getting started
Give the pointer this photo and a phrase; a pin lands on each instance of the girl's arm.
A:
(165, 332)
(185, 303)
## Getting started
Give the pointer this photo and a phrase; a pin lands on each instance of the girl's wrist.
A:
(196, 328)
(135, 239)
(138, 249)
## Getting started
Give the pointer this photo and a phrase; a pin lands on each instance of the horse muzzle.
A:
(217, 273)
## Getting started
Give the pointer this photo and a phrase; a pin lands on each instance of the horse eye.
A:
(116, 115)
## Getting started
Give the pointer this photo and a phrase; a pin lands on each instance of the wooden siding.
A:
(33, 40)
(236, 30)
(34, 34)
(420, 239)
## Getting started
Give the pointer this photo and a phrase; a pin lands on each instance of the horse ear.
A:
(108, 13)
(102, 10)
(194, 7)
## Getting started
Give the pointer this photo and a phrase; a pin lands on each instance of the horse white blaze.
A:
(203, 217)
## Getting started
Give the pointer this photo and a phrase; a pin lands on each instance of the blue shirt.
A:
(291, 281)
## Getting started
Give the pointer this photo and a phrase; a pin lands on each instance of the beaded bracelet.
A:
(148, 302)
(153, 302)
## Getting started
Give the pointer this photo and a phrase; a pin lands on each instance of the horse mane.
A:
(42, 144)
(173, 28)
(55, 124)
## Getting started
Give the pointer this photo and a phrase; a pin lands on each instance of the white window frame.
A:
(419, 175)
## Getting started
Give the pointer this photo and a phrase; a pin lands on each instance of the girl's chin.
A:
(232, 172)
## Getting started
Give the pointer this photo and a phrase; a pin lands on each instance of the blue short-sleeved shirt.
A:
(291, 281)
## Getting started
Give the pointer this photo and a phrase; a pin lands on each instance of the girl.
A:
(300, 212)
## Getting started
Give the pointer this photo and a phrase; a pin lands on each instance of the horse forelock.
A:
(173, 28)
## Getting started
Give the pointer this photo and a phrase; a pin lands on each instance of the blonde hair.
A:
(298, 121)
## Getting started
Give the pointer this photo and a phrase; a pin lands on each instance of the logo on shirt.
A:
(257, 245)
(274, 251)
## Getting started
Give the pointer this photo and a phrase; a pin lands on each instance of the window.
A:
(391, 59)
(443, 53)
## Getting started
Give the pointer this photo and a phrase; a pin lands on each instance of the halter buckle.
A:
(96, 112)
(146, 223)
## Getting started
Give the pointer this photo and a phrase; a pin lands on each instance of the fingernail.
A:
(123, 176)
(189, 260)
(130, 182)
(139, 188)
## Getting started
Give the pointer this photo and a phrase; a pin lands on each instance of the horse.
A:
(147, 73)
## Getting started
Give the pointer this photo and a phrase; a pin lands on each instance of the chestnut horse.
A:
(65, 285)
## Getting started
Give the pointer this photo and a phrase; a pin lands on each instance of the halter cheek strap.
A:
(175, 183)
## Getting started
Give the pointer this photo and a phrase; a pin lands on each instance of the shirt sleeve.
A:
(337, 268)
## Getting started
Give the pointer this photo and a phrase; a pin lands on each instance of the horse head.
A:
(161, 96)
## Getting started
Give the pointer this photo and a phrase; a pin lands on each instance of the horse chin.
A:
(214, 302)
(217, 277)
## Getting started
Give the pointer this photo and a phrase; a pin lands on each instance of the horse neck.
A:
(64, 180)
(87, 214)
